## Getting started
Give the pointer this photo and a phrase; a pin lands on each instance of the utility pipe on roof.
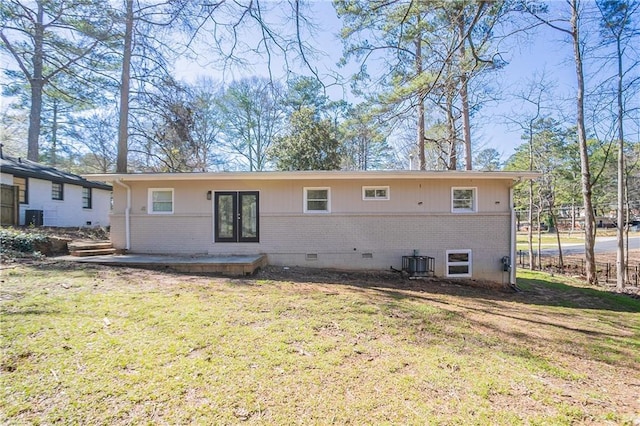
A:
(127, 214)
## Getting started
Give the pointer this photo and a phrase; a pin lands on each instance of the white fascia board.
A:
(308, 175)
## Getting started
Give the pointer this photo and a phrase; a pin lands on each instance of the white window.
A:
(375, 192)
(458, 263)
(160, 201)
(317, 200)
(463, 200)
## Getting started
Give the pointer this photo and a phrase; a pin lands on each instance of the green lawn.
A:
(94, 345)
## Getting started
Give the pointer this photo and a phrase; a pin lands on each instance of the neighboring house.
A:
(334, 219)
(50, 197)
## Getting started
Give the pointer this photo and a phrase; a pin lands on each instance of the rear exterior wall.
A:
(355, 234)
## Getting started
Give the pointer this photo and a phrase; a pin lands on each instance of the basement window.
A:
(160, 201)
(458, 263)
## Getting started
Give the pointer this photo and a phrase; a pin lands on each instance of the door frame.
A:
(237, 214)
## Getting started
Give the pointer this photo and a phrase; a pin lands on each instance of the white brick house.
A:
(331, 219)
(51, 197)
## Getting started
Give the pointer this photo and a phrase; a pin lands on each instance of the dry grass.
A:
(95, 345)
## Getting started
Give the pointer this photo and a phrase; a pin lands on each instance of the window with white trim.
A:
(463, 200)
(317, 200)
(375, 192)
(160, 201)
(458, 263)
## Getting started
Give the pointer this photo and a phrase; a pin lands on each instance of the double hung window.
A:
(317, 200)
(160, 201)
(57, 191)
(86, 198)
(463, 200)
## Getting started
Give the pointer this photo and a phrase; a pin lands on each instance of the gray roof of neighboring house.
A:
(30, 169)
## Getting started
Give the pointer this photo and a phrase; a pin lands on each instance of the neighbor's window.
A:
(160, 201)
(23, 193)
(458, 263)
(57, 191)
(463, 200)
(375, 192)
(316, 200)
(86, 198)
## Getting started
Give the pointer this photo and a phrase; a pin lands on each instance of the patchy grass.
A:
(94, 345)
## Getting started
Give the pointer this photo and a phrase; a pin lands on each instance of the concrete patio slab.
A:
(236, 265)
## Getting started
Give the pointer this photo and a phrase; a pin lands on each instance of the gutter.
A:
(512, 238)
(127, 214)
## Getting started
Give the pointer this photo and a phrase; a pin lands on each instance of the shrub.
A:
(16, 240)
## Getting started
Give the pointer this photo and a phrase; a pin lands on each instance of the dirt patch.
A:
(71, 233)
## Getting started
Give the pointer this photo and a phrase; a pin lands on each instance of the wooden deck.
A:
(225, 265)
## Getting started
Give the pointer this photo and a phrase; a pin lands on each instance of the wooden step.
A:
(84, 248)
(89, 245)
(93, 252)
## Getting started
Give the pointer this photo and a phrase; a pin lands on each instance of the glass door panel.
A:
(248, 216)
(236, 216)
(225, 211)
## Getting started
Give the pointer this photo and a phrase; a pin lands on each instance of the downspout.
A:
(512, 237)
(127, 215)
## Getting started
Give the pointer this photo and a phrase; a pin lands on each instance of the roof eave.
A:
(310, 175)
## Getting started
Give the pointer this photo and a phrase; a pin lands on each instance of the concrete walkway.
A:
(225, 265)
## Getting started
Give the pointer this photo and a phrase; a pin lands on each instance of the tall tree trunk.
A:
(54, 135)
(123, 125)
(539, 232)
(532, 262)
(555, 224)
(620, 252)
(464, 92)
(37, 83)
(585, 181)
(532, 259)
(451, 125)
(421, 155)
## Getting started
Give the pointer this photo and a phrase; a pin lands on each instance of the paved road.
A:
(603, 245)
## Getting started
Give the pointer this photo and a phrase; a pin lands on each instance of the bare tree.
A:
(46, 39)
(572, 27)
(617, 29)
(432, 49)
(145, 53)
(534, 100)
(97, 135)
(253, 113)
